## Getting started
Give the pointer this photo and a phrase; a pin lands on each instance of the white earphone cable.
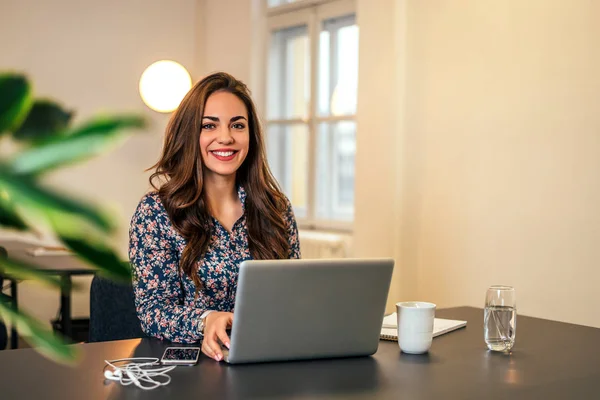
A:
(137, 372)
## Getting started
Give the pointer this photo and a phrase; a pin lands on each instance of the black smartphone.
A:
(180, 356)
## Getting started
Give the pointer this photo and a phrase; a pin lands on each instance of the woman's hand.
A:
(215, 327)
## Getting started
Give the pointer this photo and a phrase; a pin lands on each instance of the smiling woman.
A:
(216, 204)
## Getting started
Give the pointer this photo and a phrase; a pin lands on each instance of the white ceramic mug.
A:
(415, 326)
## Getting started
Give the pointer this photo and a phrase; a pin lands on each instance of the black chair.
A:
(112, 311)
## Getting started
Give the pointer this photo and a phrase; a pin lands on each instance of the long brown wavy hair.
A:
(180, 180)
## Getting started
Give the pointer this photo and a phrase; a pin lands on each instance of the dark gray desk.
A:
(551, 360)
(63, 266)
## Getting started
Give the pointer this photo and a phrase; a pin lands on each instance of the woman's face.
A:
(225, 135)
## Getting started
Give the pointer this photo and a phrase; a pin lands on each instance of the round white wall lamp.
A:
(164, 84)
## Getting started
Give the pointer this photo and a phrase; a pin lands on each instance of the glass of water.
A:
(500, 318)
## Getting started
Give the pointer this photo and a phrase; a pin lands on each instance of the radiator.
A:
(315, 244)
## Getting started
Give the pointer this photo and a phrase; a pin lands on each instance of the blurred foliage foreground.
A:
(46, 141)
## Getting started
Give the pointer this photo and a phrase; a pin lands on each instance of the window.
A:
(312, 78)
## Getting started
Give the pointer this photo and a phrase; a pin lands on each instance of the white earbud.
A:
(113, 375)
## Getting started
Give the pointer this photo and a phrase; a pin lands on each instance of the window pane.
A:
(289, 74)
(338, 66)
(335, 170)
(287, 151)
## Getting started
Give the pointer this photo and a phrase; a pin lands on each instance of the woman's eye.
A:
(208, 126)
(239, 126)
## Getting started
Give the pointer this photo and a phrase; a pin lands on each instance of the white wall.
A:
(226, 37)
(376, 229)
(89, 55)
(499, 148)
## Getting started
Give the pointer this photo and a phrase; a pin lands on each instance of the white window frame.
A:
(312, 14)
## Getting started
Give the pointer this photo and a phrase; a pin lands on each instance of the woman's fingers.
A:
(206, 349)
(216, 325)
(210, 340)
(212, 347)
(222, 335)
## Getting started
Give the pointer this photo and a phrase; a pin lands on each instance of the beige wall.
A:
(226, 31)
(376, 229)
(89, 55)
(500, 148)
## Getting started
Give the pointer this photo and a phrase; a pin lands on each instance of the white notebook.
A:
(389, 330)
(48, 251)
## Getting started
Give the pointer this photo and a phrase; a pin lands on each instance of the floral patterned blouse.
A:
(164, 295)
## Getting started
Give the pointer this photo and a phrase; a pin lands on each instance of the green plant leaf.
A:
(89, 140)
(40, 202)
(20, 270)
(104, 125)
(44, 340)
(45, 120)
(9, 218)
(100, 255)
(15, 101)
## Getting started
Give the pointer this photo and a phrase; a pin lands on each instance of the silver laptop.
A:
(306, 309)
